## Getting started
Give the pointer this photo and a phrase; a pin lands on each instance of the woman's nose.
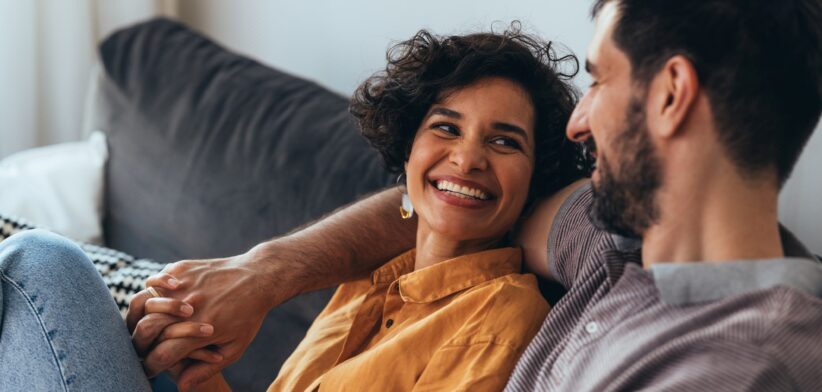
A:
(578, 129)
(468, 156)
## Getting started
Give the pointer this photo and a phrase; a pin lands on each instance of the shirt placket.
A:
(391, 314)
(366, 323)
(595, 324)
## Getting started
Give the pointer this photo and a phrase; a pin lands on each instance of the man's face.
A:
(610, 120)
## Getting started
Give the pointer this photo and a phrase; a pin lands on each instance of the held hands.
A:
(232, 295)
(165, 319)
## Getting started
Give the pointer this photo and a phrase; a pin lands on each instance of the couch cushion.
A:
(212, 152)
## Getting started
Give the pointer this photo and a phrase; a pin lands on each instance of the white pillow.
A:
(59, 187)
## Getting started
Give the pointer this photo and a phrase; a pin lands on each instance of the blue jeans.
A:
(59, 326)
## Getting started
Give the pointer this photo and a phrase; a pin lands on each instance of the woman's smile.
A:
(461, 193)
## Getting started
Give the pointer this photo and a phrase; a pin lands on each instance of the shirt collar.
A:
(395, 268)
(690, 283)
(448, 277)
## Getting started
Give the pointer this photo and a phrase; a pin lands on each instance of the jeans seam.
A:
(5, 278)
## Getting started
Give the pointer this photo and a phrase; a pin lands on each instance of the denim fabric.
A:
(59, 326)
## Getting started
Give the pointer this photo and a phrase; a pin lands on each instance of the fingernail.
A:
(173, 282)
(207, 329)
(187, 309)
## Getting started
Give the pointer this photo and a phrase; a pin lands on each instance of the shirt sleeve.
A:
(482, 366)
(573, 238)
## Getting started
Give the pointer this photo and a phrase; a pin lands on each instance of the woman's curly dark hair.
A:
(391, 104)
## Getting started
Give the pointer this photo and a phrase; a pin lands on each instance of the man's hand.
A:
(165, 318)
(232, 294)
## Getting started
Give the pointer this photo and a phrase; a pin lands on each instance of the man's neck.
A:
(726, 218)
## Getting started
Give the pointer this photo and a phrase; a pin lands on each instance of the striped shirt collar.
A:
(683, 284)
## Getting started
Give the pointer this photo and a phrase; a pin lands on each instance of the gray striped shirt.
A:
(746, 325)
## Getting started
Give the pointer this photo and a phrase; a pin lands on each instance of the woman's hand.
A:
(231, 294)
(165, 318)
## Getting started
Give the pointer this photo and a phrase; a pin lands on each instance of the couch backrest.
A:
(212, 152)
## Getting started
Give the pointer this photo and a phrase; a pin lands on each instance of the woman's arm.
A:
(234, 294)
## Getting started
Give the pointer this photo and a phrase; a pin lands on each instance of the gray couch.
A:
(212, 153)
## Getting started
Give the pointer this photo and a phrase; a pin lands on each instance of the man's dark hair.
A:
(390, 105)
(759, 62)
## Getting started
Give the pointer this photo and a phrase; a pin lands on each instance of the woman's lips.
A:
(453, 199)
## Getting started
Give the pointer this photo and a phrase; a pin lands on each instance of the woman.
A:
(475, 125)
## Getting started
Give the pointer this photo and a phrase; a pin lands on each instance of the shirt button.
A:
(389, 323)
(592, 327)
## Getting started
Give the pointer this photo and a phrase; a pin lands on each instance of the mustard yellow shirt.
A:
(457, 325)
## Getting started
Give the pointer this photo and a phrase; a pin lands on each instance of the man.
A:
(699, 111)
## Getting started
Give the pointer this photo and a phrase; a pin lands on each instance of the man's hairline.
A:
(597, 7)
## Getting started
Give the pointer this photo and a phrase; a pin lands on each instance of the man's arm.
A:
(532, 236)
(235, 294)
(346, 245)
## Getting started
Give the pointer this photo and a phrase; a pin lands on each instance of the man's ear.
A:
(671, 96)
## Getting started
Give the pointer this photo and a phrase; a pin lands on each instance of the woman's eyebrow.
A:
(506, 127)
(446, 112)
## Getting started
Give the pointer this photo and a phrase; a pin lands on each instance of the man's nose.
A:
(469, 156)
(578, 129)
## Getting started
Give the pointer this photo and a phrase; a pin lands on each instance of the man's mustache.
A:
(588, 149)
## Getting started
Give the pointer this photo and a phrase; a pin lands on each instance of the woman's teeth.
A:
(461, 191)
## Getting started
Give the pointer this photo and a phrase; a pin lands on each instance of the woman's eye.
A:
(447, 128)
(507, 142)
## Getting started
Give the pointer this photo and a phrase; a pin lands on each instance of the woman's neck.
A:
(433, 248)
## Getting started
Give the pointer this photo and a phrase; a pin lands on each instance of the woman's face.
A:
(472, 159)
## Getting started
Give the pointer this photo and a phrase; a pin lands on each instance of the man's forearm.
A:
(348, 244)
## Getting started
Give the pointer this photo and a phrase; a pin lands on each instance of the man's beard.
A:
(624, 198)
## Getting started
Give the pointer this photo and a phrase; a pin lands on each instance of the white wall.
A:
(340, 43)
(800, 205)
(47, 50)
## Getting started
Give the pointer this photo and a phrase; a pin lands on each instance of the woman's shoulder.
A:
(519, 292)
(510, 310)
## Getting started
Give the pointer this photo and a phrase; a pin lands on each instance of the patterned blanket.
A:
(123, 274)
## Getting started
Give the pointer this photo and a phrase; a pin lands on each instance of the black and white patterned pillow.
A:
(123, 274)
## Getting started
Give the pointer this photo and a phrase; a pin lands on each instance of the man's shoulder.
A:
(771, 336)
(767, 340)
(793, 332)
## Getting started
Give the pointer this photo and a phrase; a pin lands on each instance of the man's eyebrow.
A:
(506, 127)
(590, 67)
(446, 112)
